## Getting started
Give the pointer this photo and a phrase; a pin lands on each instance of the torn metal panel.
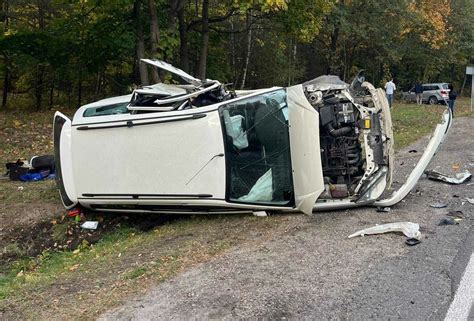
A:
(458, 178)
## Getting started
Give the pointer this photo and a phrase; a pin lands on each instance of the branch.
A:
(195, 23)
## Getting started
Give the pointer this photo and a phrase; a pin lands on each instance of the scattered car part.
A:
(412, 242)
(458, 178)
(381, 209)
(411, 230)
(90, 225)
(438, 205)
(447, 221)
(456, 214)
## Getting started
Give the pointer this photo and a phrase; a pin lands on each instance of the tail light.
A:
(444, 92)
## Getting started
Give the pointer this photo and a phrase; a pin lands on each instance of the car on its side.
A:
(433, 94)
(200, 148)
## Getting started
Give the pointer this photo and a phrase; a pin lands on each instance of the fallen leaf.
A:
(74, 267)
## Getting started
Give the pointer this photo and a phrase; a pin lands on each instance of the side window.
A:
(120, 108)
(257, 144)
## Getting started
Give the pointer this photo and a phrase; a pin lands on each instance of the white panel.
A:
(305, 151)
(151, 159)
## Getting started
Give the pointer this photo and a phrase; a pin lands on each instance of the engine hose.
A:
(338, 132)
(353, 161)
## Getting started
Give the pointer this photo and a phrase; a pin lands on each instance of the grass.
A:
(411, 121)
(85, 282)
(122, 262)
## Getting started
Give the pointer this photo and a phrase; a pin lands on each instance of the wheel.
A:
(433, 100)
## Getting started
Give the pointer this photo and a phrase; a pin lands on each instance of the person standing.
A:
(419, 93)
(389, 90)
(452, 98)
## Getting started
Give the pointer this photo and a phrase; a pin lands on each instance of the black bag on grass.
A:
(15, 170)
(43, 162)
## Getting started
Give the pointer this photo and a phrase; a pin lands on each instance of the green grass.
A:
(411, 121)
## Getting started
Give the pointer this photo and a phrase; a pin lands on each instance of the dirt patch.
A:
(62, 232)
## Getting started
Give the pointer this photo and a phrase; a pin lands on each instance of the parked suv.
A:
(432, 93)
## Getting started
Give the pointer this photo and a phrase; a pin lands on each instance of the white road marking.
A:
(464, 297)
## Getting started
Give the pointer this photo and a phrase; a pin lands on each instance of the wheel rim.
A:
(433, 101)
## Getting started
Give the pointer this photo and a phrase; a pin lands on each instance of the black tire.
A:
(433, 100)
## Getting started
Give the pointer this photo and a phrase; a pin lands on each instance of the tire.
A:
(433, 100)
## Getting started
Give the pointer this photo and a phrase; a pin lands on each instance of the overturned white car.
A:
(201, 148)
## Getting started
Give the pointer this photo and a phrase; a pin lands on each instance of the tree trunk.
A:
(183, 41)
(154, 38)
(51, 96)
(249, 48)
(140, 46)
(205, 40)
(6, 85)
(41, 67)
(6, 75)
(79, 88)
(291, 71)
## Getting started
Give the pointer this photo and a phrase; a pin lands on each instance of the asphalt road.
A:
(312, 270)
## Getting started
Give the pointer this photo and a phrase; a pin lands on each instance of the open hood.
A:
(170, 68)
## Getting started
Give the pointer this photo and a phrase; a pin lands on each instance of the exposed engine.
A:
(342, 158)
(341, 155)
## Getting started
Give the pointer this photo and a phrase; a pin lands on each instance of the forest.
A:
(71, 52)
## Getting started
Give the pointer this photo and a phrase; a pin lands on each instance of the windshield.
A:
(258, 150)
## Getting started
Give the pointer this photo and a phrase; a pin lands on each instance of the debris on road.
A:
(381, 209)
(411, 230)
(456, 214)
(90, 225)
(74, 212)
(458, 178)
(413, 151)
(470, 200)
(447, 221)
(439, 205)
(412, 242)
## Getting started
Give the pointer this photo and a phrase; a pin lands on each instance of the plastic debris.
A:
(260, 213)
(470, 200)
(412, 241)
(74, 212)
(411, 230)
(458, 178)
(381, 209)
(439, 205)
(456, 214)
(413, 151)
(90, 225)
(447, 221)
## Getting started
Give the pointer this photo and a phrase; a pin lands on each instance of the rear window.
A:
(445, 86)
(120, 108)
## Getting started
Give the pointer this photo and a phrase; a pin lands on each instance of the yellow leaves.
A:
(434, 21)
(17, 123)
(274, 5)
(264, 5)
